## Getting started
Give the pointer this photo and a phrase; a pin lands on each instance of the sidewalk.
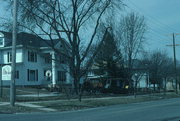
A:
(4, 103)
(34, 104)
(27, 104)
(39, 95)
(42, 108)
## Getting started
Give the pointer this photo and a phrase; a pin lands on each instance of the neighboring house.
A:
(170, 84)
(97, 74)
(34, 57)
(141, 79)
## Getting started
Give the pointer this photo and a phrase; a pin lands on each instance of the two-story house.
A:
(34, 57)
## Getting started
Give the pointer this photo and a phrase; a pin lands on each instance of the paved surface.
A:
(4, 103)
(36, 106)
(27, 104)
(162, 110)
(39, 95)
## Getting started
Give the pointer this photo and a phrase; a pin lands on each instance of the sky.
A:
(162, 18)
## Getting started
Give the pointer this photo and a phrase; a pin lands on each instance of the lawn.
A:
(7, 109)
(60, 103)
(64, 105)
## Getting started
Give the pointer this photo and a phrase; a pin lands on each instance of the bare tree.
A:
(69, 19)
(137, 78)
(160, 67)
(132, 34)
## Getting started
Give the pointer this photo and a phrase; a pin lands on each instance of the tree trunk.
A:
(154, 87)
(165, 81)
(80, 93)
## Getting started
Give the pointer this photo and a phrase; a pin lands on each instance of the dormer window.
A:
(1, 41)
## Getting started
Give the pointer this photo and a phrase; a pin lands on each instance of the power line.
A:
(4, 18)
(154, 21)
(156, 33)
(153, 18)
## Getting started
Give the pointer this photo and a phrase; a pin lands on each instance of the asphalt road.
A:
(162, 110)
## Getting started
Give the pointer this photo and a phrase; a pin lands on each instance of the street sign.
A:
(48, 73)
(6, 72)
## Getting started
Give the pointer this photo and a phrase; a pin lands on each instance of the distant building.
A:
(140, 76)
(34, 57)
(140, 79)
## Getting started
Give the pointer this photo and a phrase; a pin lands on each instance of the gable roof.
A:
(27, 39)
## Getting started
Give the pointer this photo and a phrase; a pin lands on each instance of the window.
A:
(47, 58)
(9, 57)
(17, 74)
(62, 76)
(62, 59)
(32, 75)
(1, 41)
(32, 56)
(45, 73)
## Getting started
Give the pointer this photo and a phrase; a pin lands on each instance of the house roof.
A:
(27, 39)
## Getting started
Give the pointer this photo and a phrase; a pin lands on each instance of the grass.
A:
(99, 102)
(60, 103)
(7, 109)
(26, 91)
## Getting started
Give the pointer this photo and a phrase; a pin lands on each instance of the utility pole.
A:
(175, 66)
(1, 90)
(13, 65)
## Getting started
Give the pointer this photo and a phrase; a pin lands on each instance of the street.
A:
(161, 110)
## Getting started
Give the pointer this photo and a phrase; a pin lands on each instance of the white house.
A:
(141, 79)
(36, 62)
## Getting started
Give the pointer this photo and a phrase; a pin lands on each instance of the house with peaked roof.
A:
(36, 62)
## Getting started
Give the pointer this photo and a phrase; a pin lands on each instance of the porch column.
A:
(68, 75)
(53, 68)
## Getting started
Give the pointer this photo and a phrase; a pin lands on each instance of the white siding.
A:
(23, 65)
(19, 56)
(33, 66)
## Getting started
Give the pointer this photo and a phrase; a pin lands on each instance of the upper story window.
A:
(62, 59)
(32, 56)
(47, 58)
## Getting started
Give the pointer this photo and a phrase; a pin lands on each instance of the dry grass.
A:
(88, 101)
(7, 109)
(97, 102)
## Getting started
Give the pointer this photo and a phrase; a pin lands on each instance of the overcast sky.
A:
(162, 17)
